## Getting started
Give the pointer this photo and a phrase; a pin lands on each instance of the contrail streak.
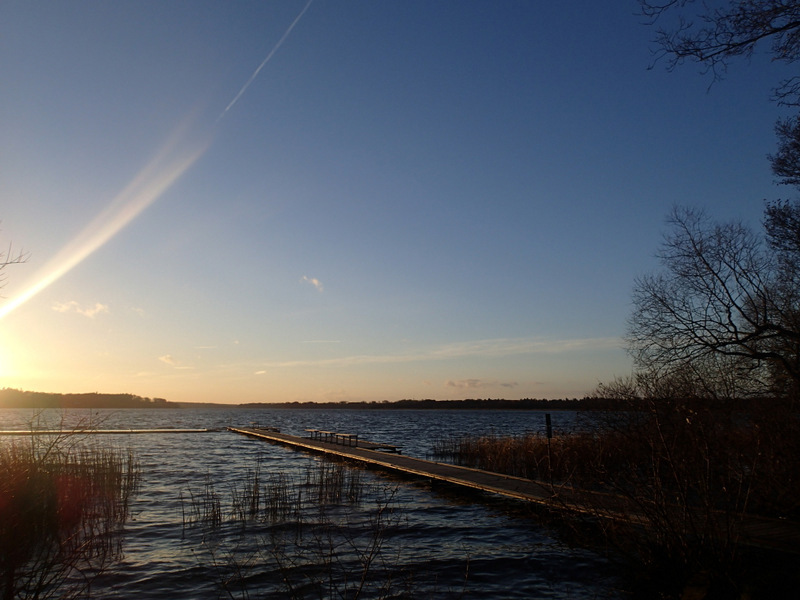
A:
(150, 183)
(165, 169)
(265, 61)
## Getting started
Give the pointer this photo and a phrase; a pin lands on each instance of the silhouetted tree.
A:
(714, 33)
(723, 314)
(786, 162)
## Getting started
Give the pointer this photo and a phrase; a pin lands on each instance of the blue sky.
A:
(408, 200)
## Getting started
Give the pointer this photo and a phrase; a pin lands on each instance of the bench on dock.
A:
(349, 439)
(320, 434)
(344, 439)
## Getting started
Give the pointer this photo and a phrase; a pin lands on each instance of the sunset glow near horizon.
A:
(342, 201)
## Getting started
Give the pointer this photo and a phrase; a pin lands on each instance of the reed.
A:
(690, 475)
(319, 534)
(62, 506)
(281, 499)
(332, 482)
(532, 456)
(274, 498)
(246, 500)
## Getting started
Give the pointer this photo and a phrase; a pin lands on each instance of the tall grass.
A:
(273, 498)
(306, 536)
(532, 455)
(61, 505)
(672, 482)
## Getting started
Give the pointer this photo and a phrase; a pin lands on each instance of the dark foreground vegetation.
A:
(62, 507)
(683, 482)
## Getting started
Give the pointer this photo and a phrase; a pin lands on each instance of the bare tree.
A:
(717, 32)
(786, 161)
(10, 257)
(782, 225)
(723, 309)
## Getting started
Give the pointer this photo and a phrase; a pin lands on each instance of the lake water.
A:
(432, 543)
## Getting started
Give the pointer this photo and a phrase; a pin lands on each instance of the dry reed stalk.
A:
(317, 540)
(61, 506)
(690, 475)
(274, 499)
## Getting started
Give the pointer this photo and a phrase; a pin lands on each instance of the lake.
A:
(417, 541)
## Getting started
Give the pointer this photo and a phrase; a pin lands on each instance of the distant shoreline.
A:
(429, 404)
(11, 398)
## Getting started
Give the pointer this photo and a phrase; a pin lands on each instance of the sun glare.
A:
(13, 360)
(7, 367)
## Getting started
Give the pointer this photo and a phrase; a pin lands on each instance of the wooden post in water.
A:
(549, 427)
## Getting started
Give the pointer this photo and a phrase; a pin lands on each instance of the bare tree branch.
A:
(10, 257)
(713, 35)
(722, 295)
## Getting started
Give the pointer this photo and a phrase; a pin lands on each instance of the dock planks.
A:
(513, 487)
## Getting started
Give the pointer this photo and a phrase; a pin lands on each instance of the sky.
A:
(349, 200)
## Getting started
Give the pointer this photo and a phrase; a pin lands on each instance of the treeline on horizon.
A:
(586, 403)
(468, 404)
(12, 398)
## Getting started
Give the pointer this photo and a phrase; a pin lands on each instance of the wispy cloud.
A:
(168, 359)
(313, 281)
(474, 384)
(469, 384)
(73, 306)
(510, 346)
(494, 348)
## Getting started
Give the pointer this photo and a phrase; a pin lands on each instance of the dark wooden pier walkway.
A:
(368, 452)
(764, 532)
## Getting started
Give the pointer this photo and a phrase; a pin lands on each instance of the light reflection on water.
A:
(443, 545)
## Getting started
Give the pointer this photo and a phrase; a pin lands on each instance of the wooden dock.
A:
(371, 453)
(776, 534)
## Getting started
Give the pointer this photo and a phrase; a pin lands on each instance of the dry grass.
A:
(273, 498)
(310, 536)
(532, 456)
(61, 505)
(692, 474)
